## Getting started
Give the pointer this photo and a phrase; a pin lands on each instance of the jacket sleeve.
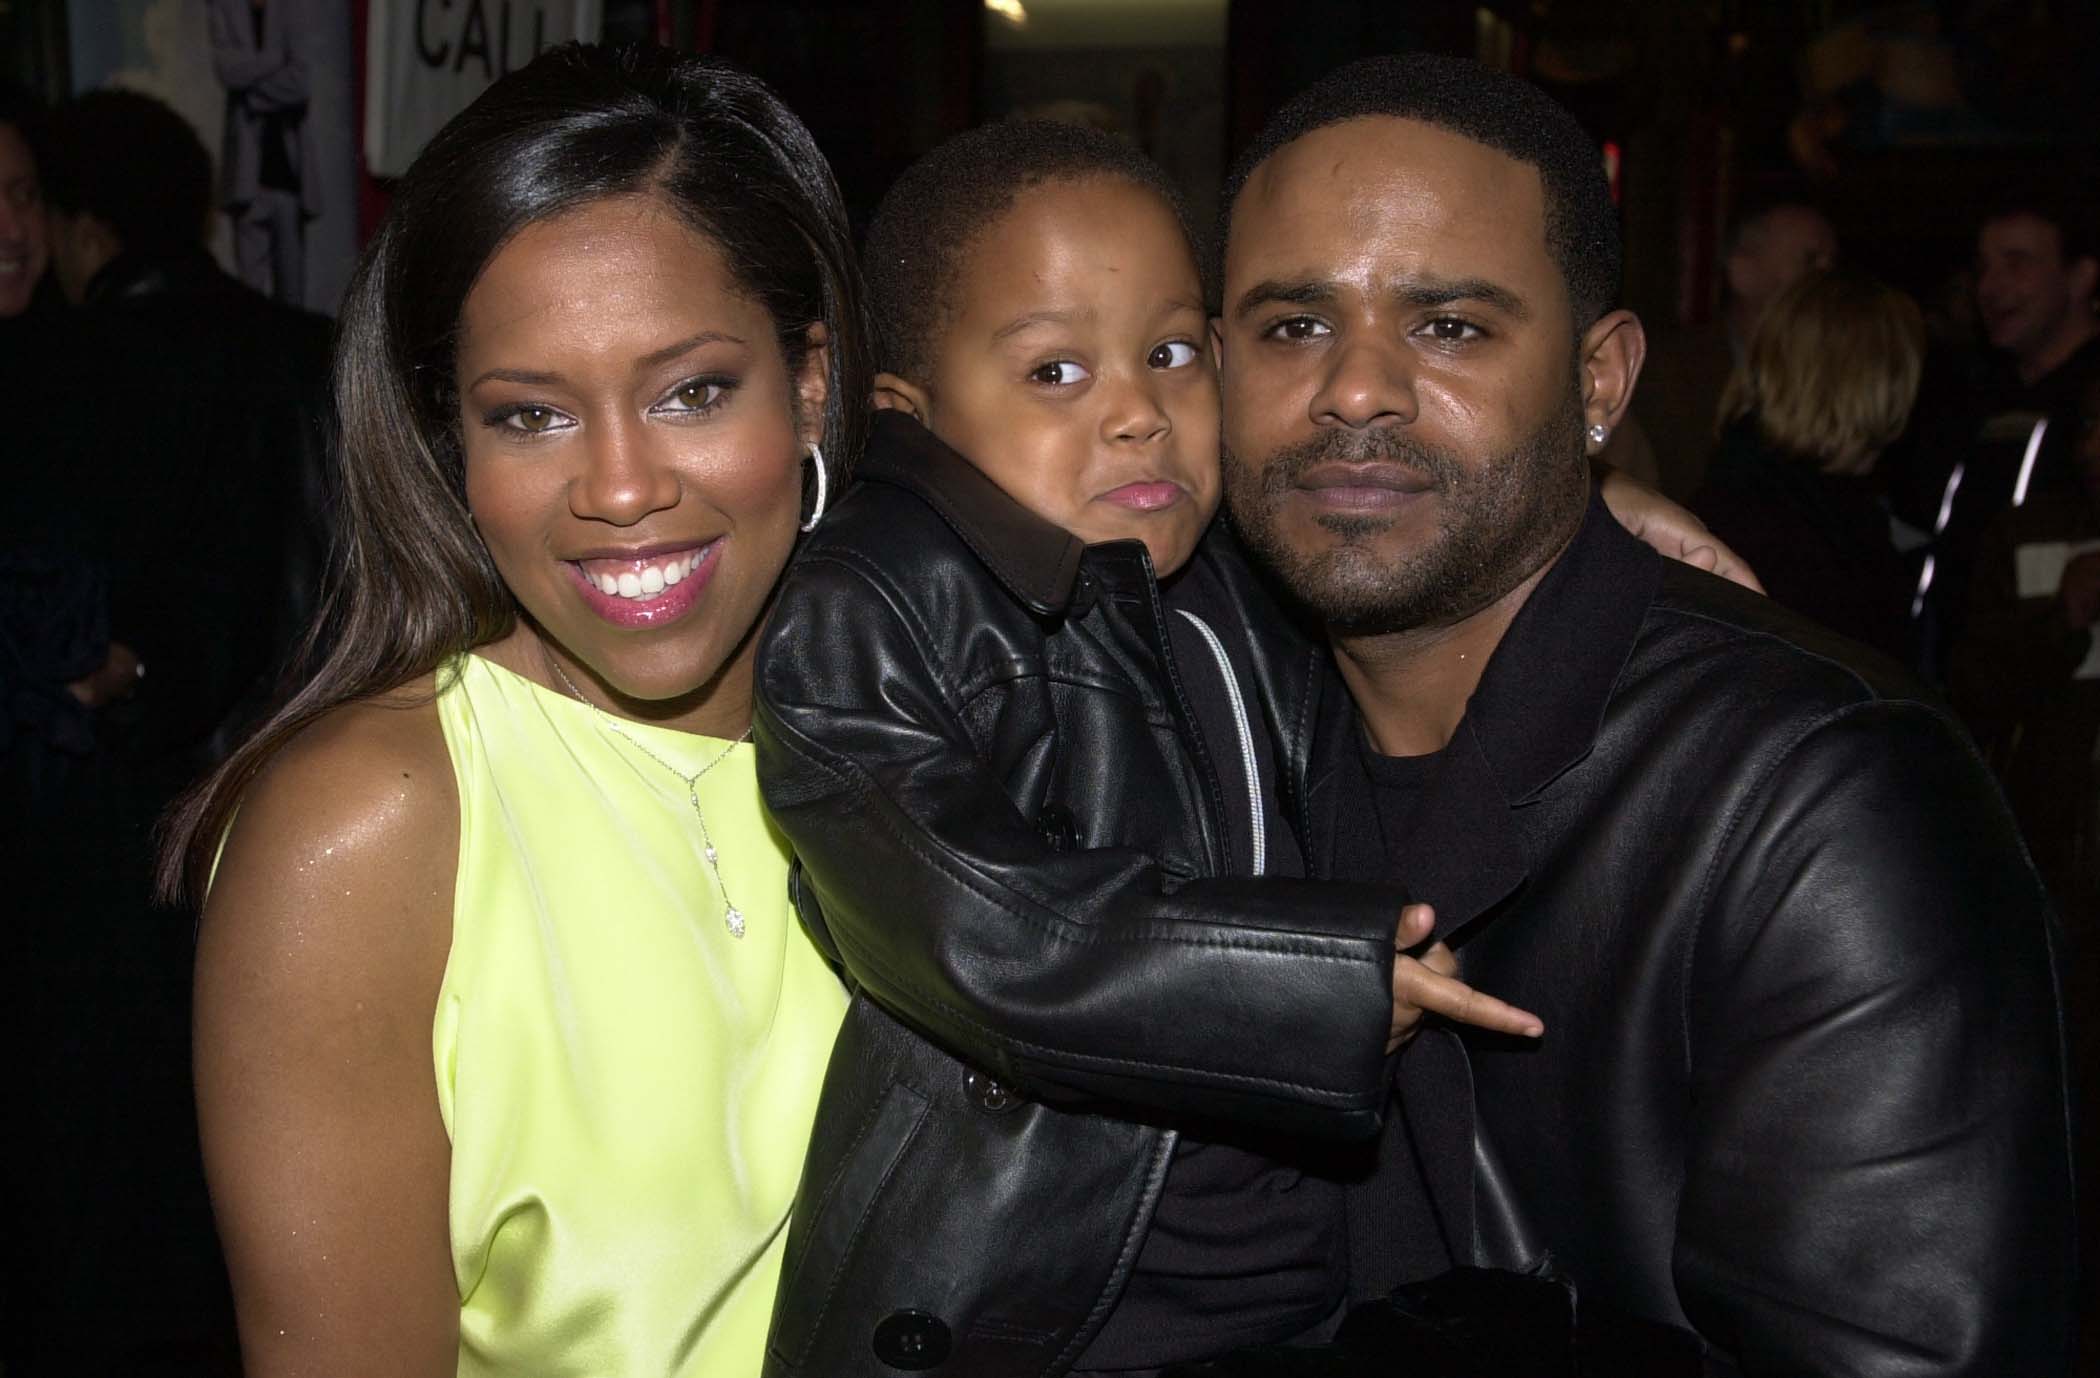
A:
(1081, 975)
(1878, 1175)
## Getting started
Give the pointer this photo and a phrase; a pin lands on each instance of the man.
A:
(2036, 276)
(1773, 247)
(24, 239)
(156, 496)
(2010, 436)
(2026, 676)
(1801, 1090)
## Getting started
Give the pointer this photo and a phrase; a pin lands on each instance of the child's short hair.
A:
(924, 226)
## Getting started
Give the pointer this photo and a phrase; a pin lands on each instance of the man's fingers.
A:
(1454, 999)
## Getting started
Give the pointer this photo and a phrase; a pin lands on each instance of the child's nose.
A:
(1135, 414)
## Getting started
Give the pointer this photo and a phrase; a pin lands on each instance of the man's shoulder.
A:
(1712, 640)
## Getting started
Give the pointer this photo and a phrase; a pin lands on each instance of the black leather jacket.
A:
(1802, 1083)
(969, 729)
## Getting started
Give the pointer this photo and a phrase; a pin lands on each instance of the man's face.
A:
(1403, 419)
(1777, 250)
(2025, 292)
(25, 237)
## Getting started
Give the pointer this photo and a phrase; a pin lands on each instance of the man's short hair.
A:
(1507, 114)
(131, 162)
(2052, 204)
(923, 229)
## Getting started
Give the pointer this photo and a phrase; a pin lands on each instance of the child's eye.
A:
(1299, 328)
(1172, 354)
(1058, 373)
(1452, 330)
(694, 395)
(526, 418)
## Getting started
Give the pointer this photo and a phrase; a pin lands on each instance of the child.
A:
(1031, 787)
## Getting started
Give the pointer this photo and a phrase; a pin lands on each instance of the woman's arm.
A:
(318, 966)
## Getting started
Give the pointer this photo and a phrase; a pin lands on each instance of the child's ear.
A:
(813, 388)
(900, 394)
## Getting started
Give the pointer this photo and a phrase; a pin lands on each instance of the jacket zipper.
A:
(1244, 731)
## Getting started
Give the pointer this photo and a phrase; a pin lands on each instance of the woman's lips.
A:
(1152, 495)
(645, 590)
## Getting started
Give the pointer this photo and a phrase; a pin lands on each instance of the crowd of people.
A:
(1036, 798)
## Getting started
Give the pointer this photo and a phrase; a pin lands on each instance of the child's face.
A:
(1077, 369)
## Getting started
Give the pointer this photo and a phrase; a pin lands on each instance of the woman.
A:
(507, 1042)
(1827, 384)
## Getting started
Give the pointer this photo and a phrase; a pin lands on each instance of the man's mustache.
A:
(1381, 445)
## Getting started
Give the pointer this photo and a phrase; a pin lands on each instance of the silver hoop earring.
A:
(1599, 433)
(816, 514)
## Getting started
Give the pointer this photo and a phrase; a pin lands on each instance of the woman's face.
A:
(634, 451)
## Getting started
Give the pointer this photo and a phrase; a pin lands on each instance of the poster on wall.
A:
(426, 60)
(267, 84)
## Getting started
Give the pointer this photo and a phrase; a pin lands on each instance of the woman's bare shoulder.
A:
(348, 836)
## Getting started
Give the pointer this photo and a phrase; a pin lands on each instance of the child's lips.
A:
(1148, 495)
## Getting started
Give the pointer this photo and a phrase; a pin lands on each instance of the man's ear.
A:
(893, 393)
(1612, 353)
(813, 388)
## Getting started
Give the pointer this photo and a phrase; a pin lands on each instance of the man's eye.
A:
(1451, 330)
(1058, 373)
(1172, 354)
(1299, 328)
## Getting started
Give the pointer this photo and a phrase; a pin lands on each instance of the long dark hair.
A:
(411, 585)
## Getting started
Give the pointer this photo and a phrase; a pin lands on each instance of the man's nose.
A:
(1369, 382)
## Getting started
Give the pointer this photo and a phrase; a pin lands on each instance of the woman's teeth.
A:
(644, 582)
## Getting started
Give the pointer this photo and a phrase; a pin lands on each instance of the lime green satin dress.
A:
(628, 1087)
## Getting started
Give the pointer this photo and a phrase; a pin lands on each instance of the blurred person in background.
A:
(1772, 246)
(2008, 436)
(1828, 382)
(2026, 675)
(157, 547)
(24, 238)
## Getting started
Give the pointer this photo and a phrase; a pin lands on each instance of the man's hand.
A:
(1430, 985)
(2079, 590)
(1654, 520)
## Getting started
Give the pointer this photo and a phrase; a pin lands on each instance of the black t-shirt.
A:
(1248, 1244)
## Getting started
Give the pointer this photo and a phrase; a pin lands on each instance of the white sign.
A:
(426, 60)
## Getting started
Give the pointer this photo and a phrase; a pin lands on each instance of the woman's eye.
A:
(1299, 328)
(1451, 330)
(697, 394)
(1058, 373)
(1172, 354)
(529, 419)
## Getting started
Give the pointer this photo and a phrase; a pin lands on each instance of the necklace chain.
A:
(733, 917)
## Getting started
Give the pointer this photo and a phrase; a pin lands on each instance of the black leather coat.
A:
(969, 730)
(1802, 1082)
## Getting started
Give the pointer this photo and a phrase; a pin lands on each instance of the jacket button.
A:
(988, 1094)
(911, 1340)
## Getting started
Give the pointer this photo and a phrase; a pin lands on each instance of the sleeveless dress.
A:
(628, 1087)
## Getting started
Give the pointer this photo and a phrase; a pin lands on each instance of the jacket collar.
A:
(1534, 716)
(1036, 560)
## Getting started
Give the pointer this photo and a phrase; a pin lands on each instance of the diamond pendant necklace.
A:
(733, 917)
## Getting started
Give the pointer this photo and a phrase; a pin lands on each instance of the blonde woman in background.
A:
(1827, 384)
